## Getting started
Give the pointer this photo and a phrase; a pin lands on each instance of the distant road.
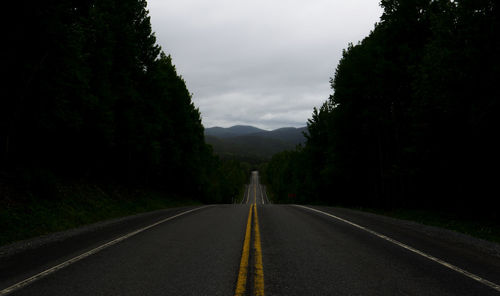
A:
(256, 248)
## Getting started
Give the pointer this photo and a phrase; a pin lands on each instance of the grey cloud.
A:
(264, 63)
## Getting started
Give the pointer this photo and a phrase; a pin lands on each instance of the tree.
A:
(412, 118)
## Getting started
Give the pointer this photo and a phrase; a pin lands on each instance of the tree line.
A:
(413, 119)
(88, 94)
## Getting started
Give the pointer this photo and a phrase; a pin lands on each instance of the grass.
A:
(76, 205)
(483, 229)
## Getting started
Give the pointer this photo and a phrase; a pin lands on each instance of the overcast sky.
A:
(265, 63)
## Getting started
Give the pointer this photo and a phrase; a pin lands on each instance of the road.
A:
(255, 248)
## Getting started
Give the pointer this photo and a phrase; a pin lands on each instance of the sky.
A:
(265, 63)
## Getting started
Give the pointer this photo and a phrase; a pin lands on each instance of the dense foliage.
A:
(89, 95)
(413, 120)
(254, 148)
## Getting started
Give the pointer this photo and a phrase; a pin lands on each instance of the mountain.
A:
(252, 144)
(234, 131)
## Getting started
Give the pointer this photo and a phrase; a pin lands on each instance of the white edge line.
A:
(53, 269)
(267, 197)
(243, 199)
(261, 195)
(244, 196)
(248, 193)
(430, 257)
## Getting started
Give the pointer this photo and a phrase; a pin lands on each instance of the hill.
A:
(234, 131)
(253, 144)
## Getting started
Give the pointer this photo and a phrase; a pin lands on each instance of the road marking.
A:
(261, 195)
(258, 279)
(248, 194)
(254, 193)
(245, 255)
(266, 198)
(53, 269)
(430, 257)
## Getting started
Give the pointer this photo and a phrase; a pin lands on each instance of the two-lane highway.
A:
(258, 248)
(255, 192)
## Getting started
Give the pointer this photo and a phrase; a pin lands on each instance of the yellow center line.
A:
(243, 272)
(258, 279)
(258, 274)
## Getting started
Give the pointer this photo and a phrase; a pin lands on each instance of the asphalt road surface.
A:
(255, 248)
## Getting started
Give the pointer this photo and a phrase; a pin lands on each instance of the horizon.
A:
(249, 125)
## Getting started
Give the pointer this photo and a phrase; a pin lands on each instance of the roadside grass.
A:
(76, 206)
(483, 229)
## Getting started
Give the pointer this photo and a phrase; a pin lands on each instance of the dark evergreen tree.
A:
(412, 119)
(90, 95)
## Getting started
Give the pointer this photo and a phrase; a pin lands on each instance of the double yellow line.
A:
(258, 268)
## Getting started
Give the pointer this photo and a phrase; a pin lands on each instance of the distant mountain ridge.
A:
(252, 143)
(234, 131)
